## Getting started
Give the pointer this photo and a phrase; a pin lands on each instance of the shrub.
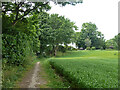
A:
(69, 48)
(88, 48)
(101, 48)
(93, 48)
(61, 49)
(59, 54)
(11, 74)
(48, 51)
(15, 48)
(74, 49)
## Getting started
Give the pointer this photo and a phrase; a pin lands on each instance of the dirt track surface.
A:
(34, 78)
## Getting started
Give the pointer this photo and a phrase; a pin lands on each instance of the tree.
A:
(111, 44)
(87, 42)
(115, 42)
(57, 30)
(26, 25)
(19, 10)
(89, 30)
(71, 2)
(79, 40)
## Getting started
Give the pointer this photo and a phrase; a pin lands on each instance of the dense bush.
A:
(15, 48)
(61, 49)
(70, 48)
(101, 48)
(93, 48)
(59, 54)
(74, 49)
(88, 48)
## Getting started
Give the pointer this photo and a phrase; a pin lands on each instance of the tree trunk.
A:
(55, 50)
(66, 46)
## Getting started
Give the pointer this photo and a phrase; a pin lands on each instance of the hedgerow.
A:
(15, 48)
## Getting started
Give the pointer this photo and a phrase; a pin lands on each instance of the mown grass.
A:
(88, 69)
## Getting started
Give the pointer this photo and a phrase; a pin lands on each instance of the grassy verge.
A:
(53, 79)
(14, 74)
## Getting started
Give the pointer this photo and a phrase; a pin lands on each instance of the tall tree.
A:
(111, 44)
(19, 10)
(80, 41)
(89, 30)
(114, 42)
(57, 30)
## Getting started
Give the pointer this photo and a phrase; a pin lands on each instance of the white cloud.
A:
(104, 13)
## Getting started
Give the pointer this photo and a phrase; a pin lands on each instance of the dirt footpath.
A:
(35, 78)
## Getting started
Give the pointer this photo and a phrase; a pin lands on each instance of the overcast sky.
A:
(103, 13)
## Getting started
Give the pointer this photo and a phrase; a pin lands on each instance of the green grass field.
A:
(88, 69)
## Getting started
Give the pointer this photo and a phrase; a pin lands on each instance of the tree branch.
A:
(26, 13)
(17, 11)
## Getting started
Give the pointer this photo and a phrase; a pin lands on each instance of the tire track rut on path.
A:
(34, 78)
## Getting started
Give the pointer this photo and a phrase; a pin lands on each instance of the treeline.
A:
(90, 38)
(28, 29)
(114, 43)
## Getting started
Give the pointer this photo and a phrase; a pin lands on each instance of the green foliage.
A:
(88, 69)
(116, 40)
(101, 48)
(55, 81)
(88, 48)
(11, 74)
(61, 49)
(19, 40)
(93, 48)
(18, 10)
(74, 49)
(71, 2)
(89, 36)
(59, 54)
(87, 42)
(55, 31)
(28, 29)
(15, 48)
(70, 48)
(111, 44)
